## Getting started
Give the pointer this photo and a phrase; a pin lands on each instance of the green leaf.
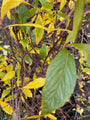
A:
(27, 59)
(22, 12)
(77, 20)
(24, 42)
(18, 74)
(32, 12)
(60, 82)
(85, 49)
(88, 107)
(43, 51)
(36, 3)
(38, 31)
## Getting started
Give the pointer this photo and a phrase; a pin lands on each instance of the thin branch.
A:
(10, 42)
(65, 18)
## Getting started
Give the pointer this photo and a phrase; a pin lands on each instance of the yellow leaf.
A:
(9, 4)
(9, 68)
(27, 92)
(63, 2)
(38, 31)
(9, 15)
(71, 4)
(8, 75)
(6, 107)
(61, 18)
(12, 33)
(52, 117)
(22, 98)
(35, 84)
(34, 76)
(79, 110)
(34, 116)
(19, 34)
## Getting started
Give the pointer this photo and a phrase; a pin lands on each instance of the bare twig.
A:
(65, 18)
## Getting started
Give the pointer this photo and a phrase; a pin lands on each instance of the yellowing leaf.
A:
(9, 98)
(35, 84)
(5, 93)
(9, 68)
(9, 4)
(87, 70)
(38, 26)
(29, 24)
(18, 74)
(38, 31)
(51, 26)
(84, 49)
(27, 92)
(9, 75)
(7, 82)
(63, 2)
(2, 74)
(52, 117)
(6, 107)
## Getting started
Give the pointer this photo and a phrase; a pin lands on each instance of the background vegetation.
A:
(45, 59)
